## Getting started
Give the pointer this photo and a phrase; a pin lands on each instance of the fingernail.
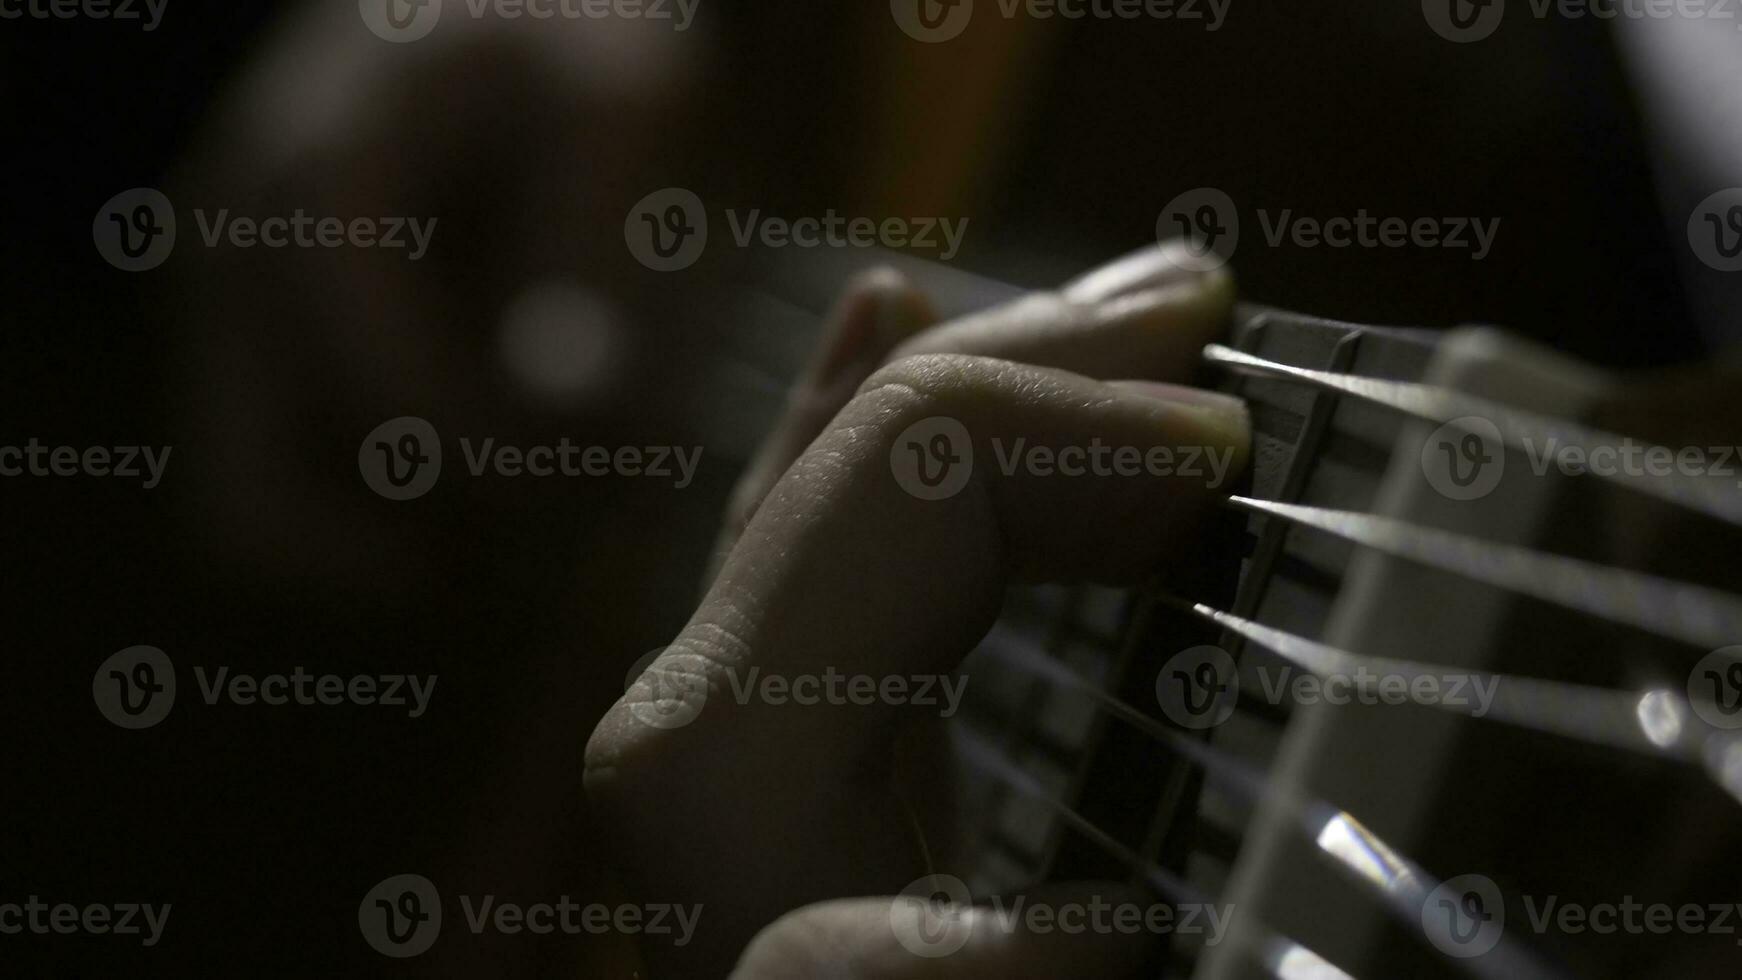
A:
(1152, 267)
(1210, 294)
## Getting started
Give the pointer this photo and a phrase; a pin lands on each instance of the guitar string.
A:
(1282, 957)
(1656, 722)
(1708, 618)
(1659, 722)
(1517, 428)
(1693, 614)
(1402, 886)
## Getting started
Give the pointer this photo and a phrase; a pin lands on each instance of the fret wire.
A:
(1693, 614)
(1517, 428)
(1592, 715)
(1175, 788)
(1170, 886)
(1658, 722)
(1401, 884)
(1283, 958)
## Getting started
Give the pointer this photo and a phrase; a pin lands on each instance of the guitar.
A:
(1456, 696)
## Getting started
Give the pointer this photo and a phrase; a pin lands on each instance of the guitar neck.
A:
(1106, 789)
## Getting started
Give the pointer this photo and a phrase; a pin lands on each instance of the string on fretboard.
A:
(1082, 777)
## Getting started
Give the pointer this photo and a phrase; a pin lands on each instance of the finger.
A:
(1154, 332)
(1058, 931)
(879, 309)
(846, 573)
(1150, 267)
(1145, 315)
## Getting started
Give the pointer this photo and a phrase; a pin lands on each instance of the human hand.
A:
(771, 816)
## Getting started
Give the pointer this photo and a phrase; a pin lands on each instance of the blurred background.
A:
(530, 320)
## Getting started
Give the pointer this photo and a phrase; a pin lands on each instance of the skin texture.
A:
(755, 810)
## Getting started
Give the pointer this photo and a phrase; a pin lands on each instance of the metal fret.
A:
(1518, 429)
(1683, 611)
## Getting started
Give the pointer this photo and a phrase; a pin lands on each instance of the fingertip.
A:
(878, 277)
(1220, 418)
(1207, 297)
(1151, 267)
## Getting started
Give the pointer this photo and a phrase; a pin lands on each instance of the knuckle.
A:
(629, 761)
(904, 392)
(932, 380)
